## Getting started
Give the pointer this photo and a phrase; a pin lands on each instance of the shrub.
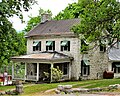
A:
(56, 74)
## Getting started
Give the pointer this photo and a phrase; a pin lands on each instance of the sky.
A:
(54, 5)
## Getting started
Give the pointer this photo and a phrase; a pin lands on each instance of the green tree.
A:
(100, 21)
(21, 40)
(71, 11)
(10, 8)
(9, 45)
(35, 20)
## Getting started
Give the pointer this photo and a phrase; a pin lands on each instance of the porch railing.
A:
(31, 77)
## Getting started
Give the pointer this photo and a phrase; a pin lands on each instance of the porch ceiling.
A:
(43, 57)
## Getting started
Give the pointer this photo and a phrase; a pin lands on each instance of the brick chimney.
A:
(45, 17)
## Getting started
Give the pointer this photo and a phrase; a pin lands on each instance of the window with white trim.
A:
(36, 45)
(85, 68)
(102, 48)
(65, 45)
(50, 45)
(116, 67)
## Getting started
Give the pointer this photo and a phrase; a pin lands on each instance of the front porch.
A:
(34, 68)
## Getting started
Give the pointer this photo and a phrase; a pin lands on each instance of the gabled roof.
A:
(43, 56)
(56, 27)
(114, 54)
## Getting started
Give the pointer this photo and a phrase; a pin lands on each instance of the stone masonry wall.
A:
(98, 63)
(98, 60)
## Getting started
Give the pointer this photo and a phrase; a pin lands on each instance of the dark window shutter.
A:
(40, 46)
(68, 45)
(88, 70)
(81, 68)
(53, 45)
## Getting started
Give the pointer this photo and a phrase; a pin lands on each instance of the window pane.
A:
(49, 43)
(65, 69)
(64, 43)
(35, 43)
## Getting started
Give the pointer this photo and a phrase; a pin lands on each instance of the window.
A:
(116, 67)
(50, 45)
(102, 45)
(65, 45)
(102, 48)
(36, 45)
(65, 69)
(85, 68)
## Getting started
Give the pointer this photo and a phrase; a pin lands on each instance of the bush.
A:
(56, 74)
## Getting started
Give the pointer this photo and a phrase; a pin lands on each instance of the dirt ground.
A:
(52, 93)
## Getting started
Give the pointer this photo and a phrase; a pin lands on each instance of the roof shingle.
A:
(54, 27)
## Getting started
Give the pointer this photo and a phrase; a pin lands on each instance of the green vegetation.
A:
(4, 88)
(100, 21)
(85, 84)
(11, 42)
(34, 88)
(35, 20)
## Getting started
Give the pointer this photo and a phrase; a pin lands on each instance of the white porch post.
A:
(51, 72)
(37, 71)
(70, 70)
(12, 70)
(25, 71)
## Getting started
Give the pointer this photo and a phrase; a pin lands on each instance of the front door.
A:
(43, 68)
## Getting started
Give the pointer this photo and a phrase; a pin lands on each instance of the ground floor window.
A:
(85, 68)
(64, 67)
(116, 67)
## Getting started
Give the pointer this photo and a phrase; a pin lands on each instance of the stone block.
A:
(2, 93)
(57, 91)
(75, 89)
(60, 87)
(95, 89)
(84, 90)
(67, 86)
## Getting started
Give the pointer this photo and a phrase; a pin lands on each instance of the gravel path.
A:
(79, 94)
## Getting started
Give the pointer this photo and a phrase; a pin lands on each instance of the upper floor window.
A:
(102, 45)
(102, 48)
(50, 45)
(36, 45)
(65, 45)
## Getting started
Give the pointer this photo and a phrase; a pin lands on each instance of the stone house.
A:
(51, 43)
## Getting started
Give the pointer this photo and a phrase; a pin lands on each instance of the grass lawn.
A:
(4, 88)
(36, 88)
(85, 84)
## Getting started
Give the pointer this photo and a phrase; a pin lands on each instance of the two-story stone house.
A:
(51, 43)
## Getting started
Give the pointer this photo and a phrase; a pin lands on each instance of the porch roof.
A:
(43, 56)
(114, 54)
